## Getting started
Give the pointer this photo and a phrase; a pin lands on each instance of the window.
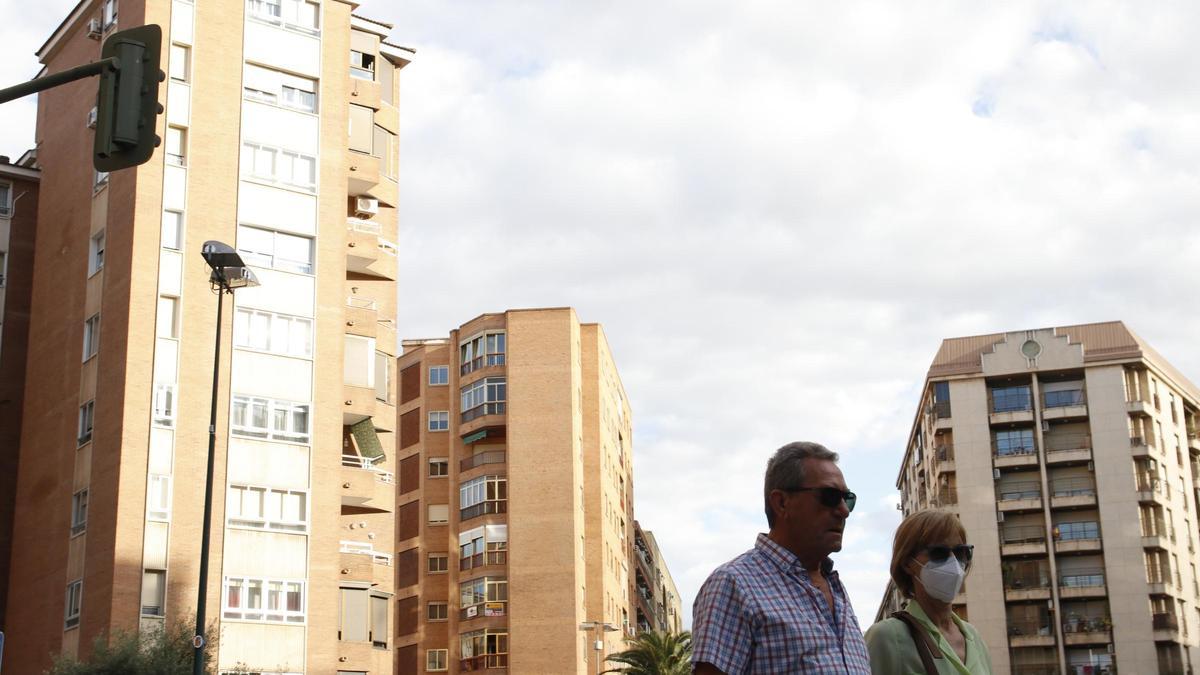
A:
(941, 399)
(436, 659)
(263, 508)
(352, 617)
(485, 648)
(439, 420)
(362, 121)
(177, 146)
(1014, 442)
(108, 14)
(362, 65)
(438, 563)
(439, 467)
(483, 397)
(91, 336)
(278, 88)
(482, 350)
(276, 250)
(303, 15)
(96, 253)
(487, 545)
(439, 375)
(274, 333)
(490, 590)
(1072, 531)
(279, 166)
(437, 611)
(382, 361)
(158, 497)
(180, 63)
(266, 9)
(271, 419)
(5, 200)
(154, 588)
(79, 504)
(74, 601)
(439, 514)
(172, 229)
(486, 494)
(278, 600)
(86, 412)
(379, 621)
(167, 320)
(1008, 399)
(164, 404)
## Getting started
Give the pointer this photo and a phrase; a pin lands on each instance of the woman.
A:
(930, 559)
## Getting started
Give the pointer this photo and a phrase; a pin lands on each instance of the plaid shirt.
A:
(761, 614)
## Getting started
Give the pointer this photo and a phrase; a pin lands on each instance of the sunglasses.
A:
(831, 497)
(939, 554)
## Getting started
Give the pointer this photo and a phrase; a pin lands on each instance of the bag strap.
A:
(926, 648)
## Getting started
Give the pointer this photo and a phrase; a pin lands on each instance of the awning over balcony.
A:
(367, 439)
(476, 436)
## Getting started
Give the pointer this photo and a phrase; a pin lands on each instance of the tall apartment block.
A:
(279, 139)
(515, 488)
(18, 218)
(1071, 456)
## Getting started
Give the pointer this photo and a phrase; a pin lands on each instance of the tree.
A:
(655, 653)
(166, 651)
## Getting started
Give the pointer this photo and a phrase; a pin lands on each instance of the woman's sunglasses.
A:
(831, 497)
(939, 554)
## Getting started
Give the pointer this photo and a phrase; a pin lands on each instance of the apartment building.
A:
(668, 604)
(18, 216)
(1071, 456)
(279, 138)
(515, 520)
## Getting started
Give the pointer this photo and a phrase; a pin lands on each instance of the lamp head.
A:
(220, 255)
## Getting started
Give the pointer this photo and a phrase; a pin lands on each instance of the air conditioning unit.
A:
(91, 118)
(366, 206)
(1091, 467)
(95, 29)
(999, 516)
(995, 474)
(1045, 426)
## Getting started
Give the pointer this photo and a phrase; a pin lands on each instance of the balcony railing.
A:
(945, 453)
(1148, 482)
(1019, 491)
(1087, 624)
(941, 409)
(358, 302)
(1077, 486)
(483, 662)
(482, 559)
(1165, 621)
(1083, 578)
(1015, 399)
(1066, 442)
(1147, 441)
(1024, 580)
(493, 408)
(1023, 534)
(1158, 574)
(1064, 398)
(481, 458)
(368, 464)
(363, 548)
(1157, 528)
(1029, 627)
(364, 226)
(1013, 450)
(483, 508)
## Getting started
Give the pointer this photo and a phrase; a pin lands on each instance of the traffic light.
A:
(128, 108)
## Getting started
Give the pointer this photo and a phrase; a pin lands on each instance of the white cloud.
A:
(779, 209)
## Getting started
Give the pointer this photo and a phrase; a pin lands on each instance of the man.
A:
(780, 608)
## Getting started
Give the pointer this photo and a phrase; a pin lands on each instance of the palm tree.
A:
(655, 653)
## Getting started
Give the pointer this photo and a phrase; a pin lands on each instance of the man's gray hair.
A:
(785, 470)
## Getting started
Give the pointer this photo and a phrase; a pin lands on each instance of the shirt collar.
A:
(784, 559)
(913, 607)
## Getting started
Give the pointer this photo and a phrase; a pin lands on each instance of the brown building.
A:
(515, 518)
(18, 218)
(279, 138)
(1072, 457)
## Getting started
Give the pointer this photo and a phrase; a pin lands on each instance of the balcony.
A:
(1017, 497)
(1010, 457)
(1087, 631)
(945, 458)
(483, 508)
(483, 609)
(1084, 583)
(1193, 437)
(493, 408)
(1150, 489)
(1064, 404)
(1076, 542)
(1010, 404)
(1141, 446)
(1030, 633)
(364, 484)
(1029, 585)
(1138, 407)
(362, 316)
(1023, 540)
(1074, 492)
(365, 173)
(358, 561)
(361, 403)
(1166, 627)
(1068, 448)
(483, 559)
(481, 459)
(367, 251)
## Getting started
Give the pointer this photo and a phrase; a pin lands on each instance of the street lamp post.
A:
(228, 273)
(600, 627)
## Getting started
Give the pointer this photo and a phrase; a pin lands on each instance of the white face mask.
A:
(943, 580)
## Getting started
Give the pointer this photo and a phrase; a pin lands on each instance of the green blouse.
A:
(893, 651)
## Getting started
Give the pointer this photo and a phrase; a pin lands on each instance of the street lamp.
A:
(598, 645)
(228, 273)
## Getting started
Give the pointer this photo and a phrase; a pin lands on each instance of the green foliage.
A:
(161, 652)
(655, 653)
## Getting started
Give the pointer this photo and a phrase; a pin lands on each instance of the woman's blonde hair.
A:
(923, 528)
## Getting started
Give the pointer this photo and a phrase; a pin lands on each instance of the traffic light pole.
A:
(49, 81)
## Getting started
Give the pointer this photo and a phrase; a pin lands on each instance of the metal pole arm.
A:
(50, 81)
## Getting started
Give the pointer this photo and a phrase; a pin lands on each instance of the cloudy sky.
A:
(778, 209)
